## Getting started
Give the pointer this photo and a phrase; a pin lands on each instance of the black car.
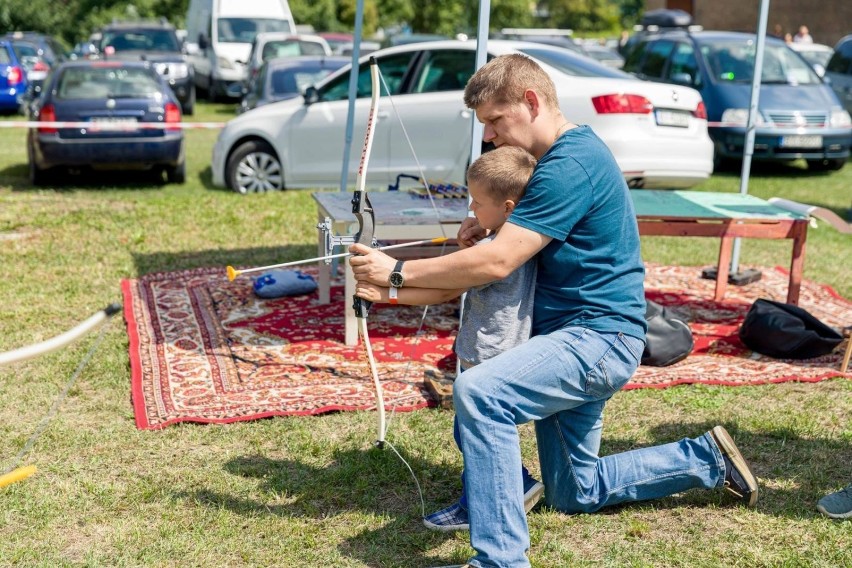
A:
(124, 116)
(157, 43)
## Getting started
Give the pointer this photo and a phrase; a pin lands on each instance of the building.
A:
(827, 20)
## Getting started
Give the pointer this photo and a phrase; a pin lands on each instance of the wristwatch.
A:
(392, 296)
(395, 279)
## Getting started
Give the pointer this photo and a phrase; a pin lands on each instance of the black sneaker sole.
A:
(729, 448)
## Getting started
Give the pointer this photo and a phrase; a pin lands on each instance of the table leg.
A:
(351, 324)
(797, 264)
(723, 268)
(324, 272)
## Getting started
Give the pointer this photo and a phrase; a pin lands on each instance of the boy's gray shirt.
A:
(496, 316)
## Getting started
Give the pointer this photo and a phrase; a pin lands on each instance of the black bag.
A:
(668, 340)
(786, 331)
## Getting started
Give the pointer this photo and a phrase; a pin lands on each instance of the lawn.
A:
(310, 491)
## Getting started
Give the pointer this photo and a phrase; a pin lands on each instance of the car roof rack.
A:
(664, 19)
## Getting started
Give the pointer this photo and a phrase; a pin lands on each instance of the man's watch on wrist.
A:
(392, 296)
(396, 279)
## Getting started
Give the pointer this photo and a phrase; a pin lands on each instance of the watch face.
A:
(396, 279)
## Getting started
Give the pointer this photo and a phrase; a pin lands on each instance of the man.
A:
(588, 328)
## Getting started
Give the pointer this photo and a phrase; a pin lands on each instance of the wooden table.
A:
(400, 216)
(405, 217)
(726, 216)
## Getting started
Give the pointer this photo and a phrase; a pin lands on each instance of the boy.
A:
(497, 316)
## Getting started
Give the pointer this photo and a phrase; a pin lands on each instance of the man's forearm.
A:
(466, 268)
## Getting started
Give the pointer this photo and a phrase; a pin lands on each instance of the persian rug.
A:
(203, 349)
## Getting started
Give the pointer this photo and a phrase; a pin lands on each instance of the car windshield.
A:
(291, 48)
(244, 30)
(78, 83)
(287, 81)
(571, 64)
(732, 61)
(141, 40)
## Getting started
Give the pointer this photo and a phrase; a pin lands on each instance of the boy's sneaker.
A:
(452, 518)
(739, 479)
(533, 490)
(455, 518)
(837, 505)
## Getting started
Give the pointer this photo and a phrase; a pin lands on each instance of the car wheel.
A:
(176, 174)
(254, 167)
(38, 176)
(189, 106)
(826, 165)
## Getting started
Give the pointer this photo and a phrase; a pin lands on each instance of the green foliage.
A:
(583, 15)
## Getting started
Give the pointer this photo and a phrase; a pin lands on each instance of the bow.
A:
(363, 211)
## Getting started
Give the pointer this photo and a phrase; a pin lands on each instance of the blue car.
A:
(125, 117)
(799, 114)
(13, 79)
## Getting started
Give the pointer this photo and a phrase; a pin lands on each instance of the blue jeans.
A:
(561, 381)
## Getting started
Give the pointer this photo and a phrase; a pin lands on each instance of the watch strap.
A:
(393, 294)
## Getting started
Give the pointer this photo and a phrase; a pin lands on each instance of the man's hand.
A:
(470, 233)
(371, 292)
(370, 265)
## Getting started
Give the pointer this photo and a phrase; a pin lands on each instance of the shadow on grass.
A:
(238, 257)
(372, 481)
(62, 180)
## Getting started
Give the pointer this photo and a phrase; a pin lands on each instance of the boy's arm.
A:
(407, 296)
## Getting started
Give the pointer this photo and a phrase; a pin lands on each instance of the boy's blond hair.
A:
(503, 172)
(504, 79)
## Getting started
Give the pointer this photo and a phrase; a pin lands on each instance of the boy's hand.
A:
(470, 233)
(370, 265)
(371, 292)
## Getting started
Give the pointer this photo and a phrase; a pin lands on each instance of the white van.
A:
(220, 34)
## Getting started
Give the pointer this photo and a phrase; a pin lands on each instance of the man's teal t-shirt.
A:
(591, 273)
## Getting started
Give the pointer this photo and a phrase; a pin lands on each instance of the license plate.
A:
(672, 118)
(801, 141)
(113, 122)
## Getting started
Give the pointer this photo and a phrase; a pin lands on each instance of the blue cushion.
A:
(277, 283)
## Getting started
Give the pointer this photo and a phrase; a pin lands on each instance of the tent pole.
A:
(748, 149)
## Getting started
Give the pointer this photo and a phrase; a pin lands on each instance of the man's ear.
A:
(532, 101)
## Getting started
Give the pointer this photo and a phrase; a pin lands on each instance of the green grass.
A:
(310, 491)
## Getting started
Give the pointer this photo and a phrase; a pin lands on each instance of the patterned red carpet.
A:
(204, 349)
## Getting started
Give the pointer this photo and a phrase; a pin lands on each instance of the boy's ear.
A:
(509, 206)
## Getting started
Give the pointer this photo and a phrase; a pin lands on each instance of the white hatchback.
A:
(657, 133)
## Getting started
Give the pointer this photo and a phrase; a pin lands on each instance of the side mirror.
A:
(311, 95)
(203, 43)
(820, 70)
(191, 48)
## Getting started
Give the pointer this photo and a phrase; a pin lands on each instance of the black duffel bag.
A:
(786, 331)
(668, 340)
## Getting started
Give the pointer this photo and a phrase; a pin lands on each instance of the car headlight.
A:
(840, 118)
(739, 117)
(224, 63)
(172, 70)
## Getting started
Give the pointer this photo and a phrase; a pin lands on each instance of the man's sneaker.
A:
(533, 490)
(837, 505)
(452, 518)
(739, 480)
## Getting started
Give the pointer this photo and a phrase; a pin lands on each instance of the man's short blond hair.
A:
(504, 79)
(503, 172)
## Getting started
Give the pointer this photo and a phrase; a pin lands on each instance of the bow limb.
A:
(363, 211)
(30, 351)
